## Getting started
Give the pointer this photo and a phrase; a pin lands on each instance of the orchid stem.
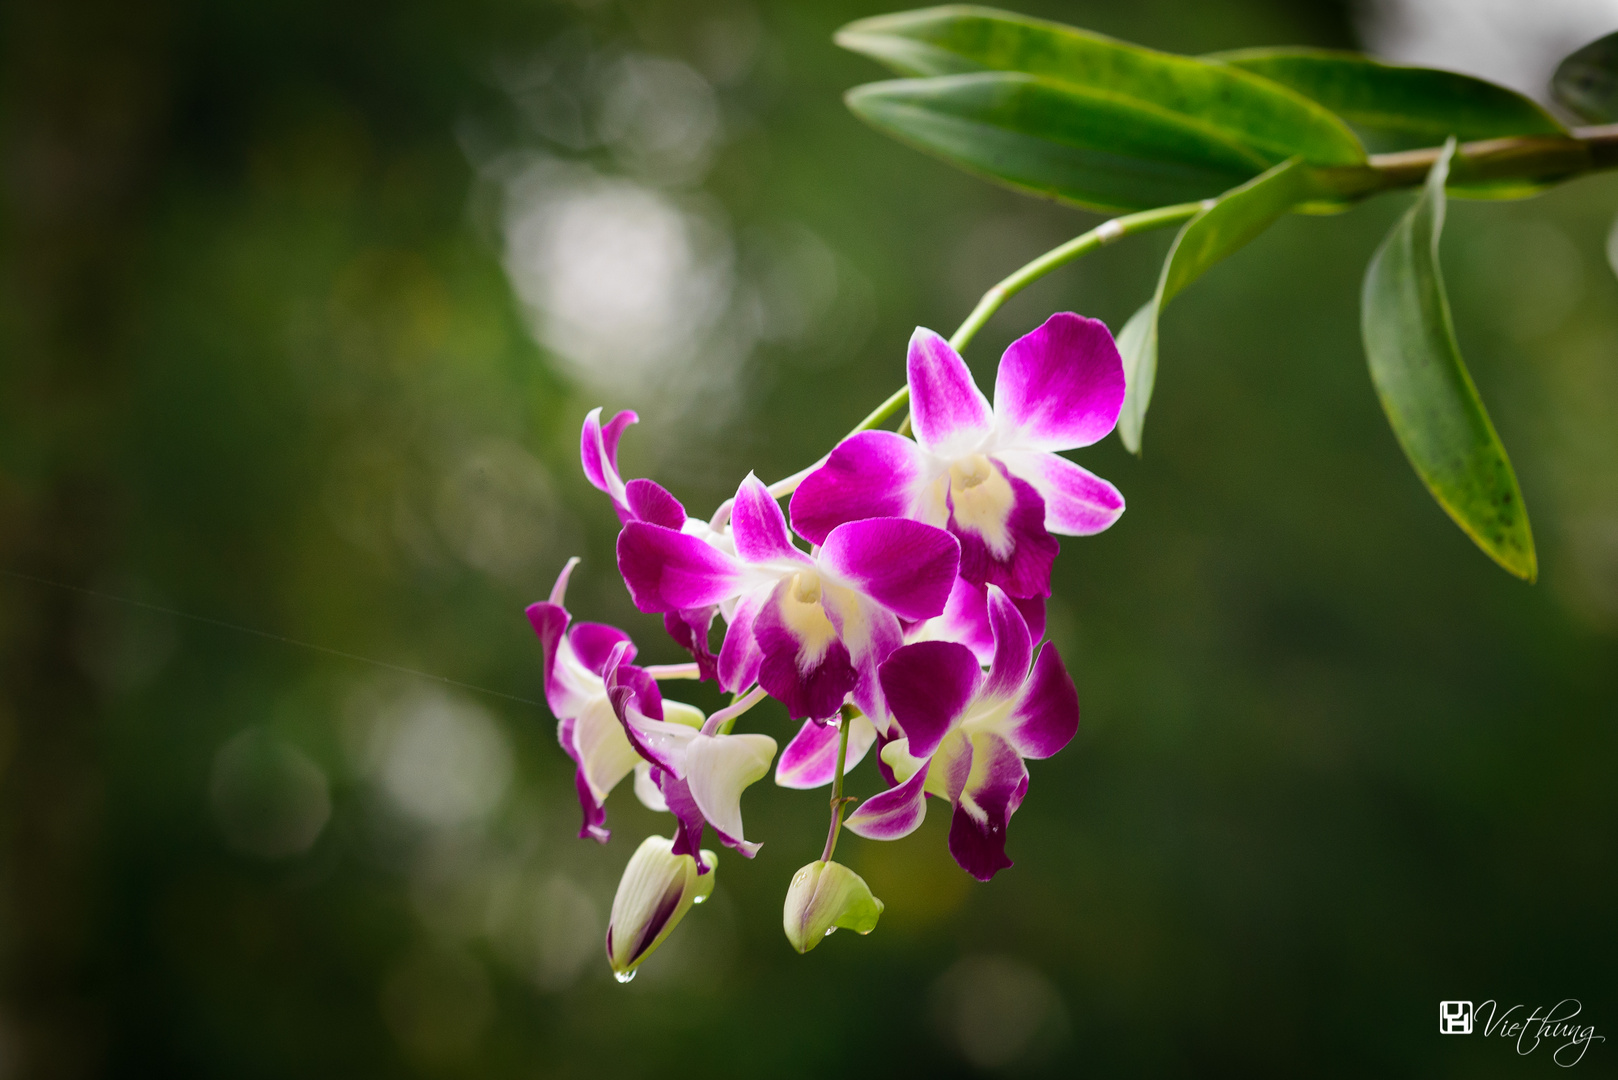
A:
(837, 799)
(1100, 236)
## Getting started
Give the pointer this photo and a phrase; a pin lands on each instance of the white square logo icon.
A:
(1455, 1017)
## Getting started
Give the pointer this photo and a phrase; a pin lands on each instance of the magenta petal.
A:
(903, 565)
(870, 633)
(979, 847)
(966, 619)
(1021, 564)
(867, 692)
(977, 838)
(816, 693)
(1013, 647)
(1077, 501)
(550, 623)
(950, 414)
(928, 687)
(810, 759)
(1047, 716)
(872, 474)
(689, 629)
(1032, 610)
(759, 528)
(595, 814)
(648, 697)
(627, 689)
(648, 501)
(882, 766)
(1061, 386)
(593, 644)
(598, 453)
(667, 570)
(687, 816)
(739, 655)
(890, 814)
(810, 677)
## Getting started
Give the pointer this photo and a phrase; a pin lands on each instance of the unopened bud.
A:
(826, 896)
(657, 889)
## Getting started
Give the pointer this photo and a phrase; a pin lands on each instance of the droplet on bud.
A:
(657, 889)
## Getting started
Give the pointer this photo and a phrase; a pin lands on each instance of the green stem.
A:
(1532, 160)
(837, 799)
(1100, 236)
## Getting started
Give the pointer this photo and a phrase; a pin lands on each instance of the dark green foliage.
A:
(1587, 81)
(1394, 106)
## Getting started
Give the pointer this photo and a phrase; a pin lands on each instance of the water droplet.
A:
(831, 931)
(698, 899)
(866, 933)
(624, 976)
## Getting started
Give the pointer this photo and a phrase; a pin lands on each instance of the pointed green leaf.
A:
(1587, 81)
(1231, 106)
(1394, 107)
(1426, 391)
(1089, 149)
(1222, 227)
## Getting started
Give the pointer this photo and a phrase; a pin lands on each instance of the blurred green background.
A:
(303, 304)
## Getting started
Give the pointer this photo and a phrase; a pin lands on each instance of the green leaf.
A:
(1093, 150)
(1232, 106)
(1222, 227)
(1587, 81)
(1426, 391)
(1393, 107)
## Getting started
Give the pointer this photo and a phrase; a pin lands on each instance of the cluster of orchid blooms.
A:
(911, 623)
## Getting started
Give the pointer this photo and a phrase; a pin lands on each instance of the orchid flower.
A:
(700, 771)
(576, 659)
(990, 475)
(966, 733)
(811, 628)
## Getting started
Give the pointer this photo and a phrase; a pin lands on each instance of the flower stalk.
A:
(837, 799)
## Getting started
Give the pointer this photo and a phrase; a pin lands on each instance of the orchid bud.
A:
(657, 889)
(823, 897)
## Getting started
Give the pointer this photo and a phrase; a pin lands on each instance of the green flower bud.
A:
(657, 889)
(823, 897)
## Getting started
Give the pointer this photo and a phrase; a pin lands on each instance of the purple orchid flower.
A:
(577, 656)
(992, 476)
(699, 771)
(810, 628)
(966, 734)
